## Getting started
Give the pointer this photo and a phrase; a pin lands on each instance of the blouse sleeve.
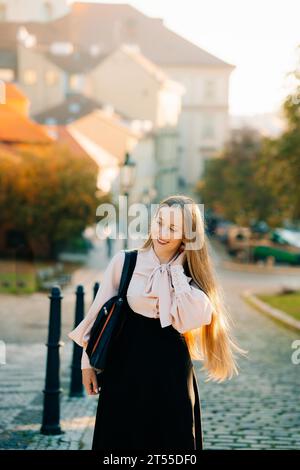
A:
(108, 288)
(191, 307)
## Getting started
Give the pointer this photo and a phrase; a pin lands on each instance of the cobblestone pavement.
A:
(259, 409)
(24, 330)
(21, 398)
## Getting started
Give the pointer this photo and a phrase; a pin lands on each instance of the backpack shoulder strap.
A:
(127, 271)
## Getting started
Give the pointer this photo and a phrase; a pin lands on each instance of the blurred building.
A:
(33, 10)
(75, 50)
(62, 135)
(73, 107)
(16, 127)
(106, 137)
(136, 86)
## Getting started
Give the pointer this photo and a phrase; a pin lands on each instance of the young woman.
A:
(149, 399)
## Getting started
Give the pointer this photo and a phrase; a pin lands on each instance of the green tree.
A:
(281, 158)
(49, 194)
(230, 186)
(258, 177)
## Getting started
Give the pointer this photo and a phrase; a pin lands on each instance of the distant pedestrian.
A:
(109, 246)
(108, 241)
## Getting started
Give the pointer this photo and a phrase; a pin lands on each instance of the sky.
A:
(259, 37)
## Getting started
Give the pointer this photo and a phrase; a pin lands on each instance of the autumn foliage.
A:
(47, 193)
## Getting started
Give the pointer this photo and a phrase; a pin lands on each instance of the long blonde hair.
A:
(213, 344)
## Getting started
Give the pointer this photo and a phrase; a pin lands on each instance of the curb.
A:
(276, 314)
(253, 268)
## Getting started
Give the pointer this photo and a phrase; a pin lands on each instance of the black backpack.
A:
(111, 317)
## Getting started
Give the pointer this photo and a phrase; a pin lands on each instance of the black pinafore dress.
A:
(149, 397)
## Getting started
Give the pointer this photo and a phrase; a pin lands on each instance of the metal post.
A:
(95, 290)
(52, 391)
(76, 387)
(126, 194)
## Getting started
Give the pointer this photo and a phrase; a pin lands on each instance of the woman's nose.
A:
(164, 234)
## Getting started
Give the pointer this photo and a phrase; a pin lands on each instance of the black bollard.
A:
(76, 388)
(95, 290)
(52, 391)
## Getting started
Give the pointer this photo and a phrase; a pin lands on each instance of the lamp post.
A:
(127, 177)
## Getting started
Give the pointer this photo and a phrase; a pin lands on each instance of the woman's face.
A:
(167, 230)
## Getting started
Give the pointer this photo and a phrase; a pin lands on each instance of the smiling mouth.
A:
(161, 242)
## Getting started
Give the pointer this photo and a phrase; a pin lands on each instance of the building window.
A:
(50, 121)
(95, 49)
(51, 77)
(209, 90)
(61, 48)
(30, 77)
(76, 82)
(208, 126)
(48, 10)
(2, 12)
(205, 164)
(74, 108)
(7, 75)
(130, 30)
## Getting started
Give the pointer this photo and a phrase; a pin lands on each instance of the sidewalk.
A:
(21, 395)
(22, 378)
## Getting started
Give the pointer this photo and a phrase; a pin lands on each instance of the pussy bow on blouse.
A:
(157, 290)
(163, 279)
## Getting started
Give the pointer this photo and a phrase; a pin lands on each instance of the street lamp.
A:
(127, 177)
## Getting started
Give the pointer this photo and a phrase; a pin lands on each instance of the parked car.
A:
(282, 246)
(276, 254)
(284, 236)
(260, 227)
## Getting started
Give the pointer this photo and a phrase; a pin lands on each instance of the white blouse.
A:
(156, 290)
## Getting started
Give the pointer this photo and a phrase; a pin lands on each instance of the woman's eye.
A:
(159, 221)
(172, 229)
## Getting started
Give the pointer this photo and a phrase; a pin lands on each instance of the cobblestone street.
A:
(22, 382)
(259, 409)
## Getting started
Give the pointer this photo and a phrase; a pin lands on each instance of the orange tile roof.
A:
(15, 127)
(13, 92)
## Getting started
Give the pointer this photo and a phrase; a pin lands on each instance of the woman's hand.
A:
(179, 260)
(89, 380)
